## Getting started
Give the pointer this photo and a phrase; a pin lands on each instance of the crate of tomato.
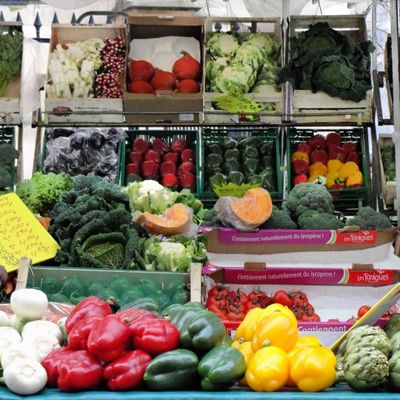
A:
(168, 157)
(337, 159)
(246, 155)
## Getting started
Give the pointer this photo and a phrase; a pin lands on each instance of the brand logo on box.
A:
(362, 237)
(376, 277)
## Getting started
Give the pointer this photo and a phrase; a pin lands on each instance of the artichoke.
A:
(365, 368)
(393, 326)
(394, 370)
(339, 369)
(371, 336)
(395, 342)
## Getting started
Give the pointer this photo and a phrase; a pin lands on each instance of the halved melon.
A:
(174, 221)
(248, 212)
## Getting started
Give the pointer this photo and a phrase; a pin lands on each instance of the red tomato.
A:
(363, 310)
(282, 297)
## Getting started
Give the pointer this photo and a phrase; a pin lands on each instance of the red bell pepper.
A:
(167, 167)
(186, 167)
(173, 157)
(159, 146)
(140, 145)
(133, 169)
(319, 155)
(92, 305)
(170, 181)
(353, 156)
(337, 153)
(77, 338)
(179, 145)
(187, 155)
(79, 371)
(52, 361)
(348, 147)
(317, 142)
(155, 336)
(149, 169)
(127, 372)
(133, 315)
(109, 338)
(333, 138)
(187, 180)
(302, 178)
(304, 148)
(300, 166)
(135, 157)
(152, 155)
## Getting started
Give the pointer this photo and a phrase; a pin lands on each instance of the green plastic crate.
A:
(7, 135)
(168, 135)
(216, 134)
(120, 152)
(344, 196)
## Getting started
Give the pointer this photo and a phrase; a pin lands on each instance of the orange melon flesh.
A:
(254, 208)
(174, 221)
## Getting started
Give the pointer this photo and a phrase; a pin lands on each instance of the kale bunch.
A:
(8, 154)
(323, 59)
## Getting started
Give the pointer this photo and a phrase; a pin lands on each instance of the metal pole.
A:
(375, 53)
(394, 23)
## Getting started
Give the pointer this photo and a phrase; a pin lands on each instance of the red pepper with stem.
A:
(127, 372)
(52, 361)
(155, 336)
(90, 306)
(79, 371)
(133, 315)
(77, 338)
(109, 338)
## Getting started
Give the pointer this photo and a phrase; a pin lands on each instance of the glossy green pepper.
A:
(269, 181)
(171, 311)
(202, 331)
(146, 303)
(250, 152)
(176, 369)
(214, 148)
(250, 141)
(267, 161)
(231, 165)
(181, 316)
(221, 368)
(149, 286)
(58, 298)
(134, 293)
(181, 296)
(255, 179)
(236, 177)
(226, 340)
(228, 143)
(267, 149)
(121, 285)
(217, 180)
(232, 154)
(214, 161)
(50, 285)
(250, 166)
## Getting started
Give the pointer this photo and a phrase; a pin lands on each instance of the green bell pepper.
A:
(269, 181)
(70, 285)
(226, 341)
(171, 311)
(250, 141)
(236, 177)
(171, 287)
(214, 161)
(58, 298)
(93, 288)
(250, 152)
(181, 316)
(255, 179)
(217, 180)
(221, 368)
(202, 331)
(268, 161)
(176, 369)
(231, 165)
(50, 285)
(232, 154)
(181, 296)
(150, 286)
(214, 148)
(228, 143)
(267, 149)
(76, 297)
(147, 303)
(120, 284)
(106, 293)
(134, 293)
(250, 166)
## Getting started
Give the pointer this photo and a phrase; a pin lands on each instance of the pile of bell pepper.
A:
(132, 348)
(277, 357)
(233, 305)
(327, 161)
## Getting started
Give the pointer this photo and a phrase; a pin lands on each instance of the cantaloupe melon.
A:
(246, 213)
(174, 221)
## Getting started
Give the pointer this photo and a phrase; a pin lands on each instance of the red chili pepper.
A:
(133, 315)
(167, 167)
(187, 155)
(52, 361)
(282, 297)
(160, 146)
(90, 306)
(127, 372)
(169, 181)
(109, 338)
(155, 336)
(140, 145)
(179, 145)
(77, 338)
(79, 371)
(135, 157)
(173, 157)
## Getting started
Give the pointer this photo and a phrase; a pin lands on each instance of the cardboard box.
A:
(75, 110)
(10, 104)
(166, 107)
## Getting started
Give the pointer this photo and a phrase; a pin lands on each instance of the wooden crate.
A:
(166, 107)
(96, 110)
(272, 27)
(388, 187)
(315, 108)
(10, 104)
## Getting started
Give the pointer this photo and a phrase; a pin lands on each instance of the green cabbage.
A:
(250, 54)
(214, 68)
(235, 78)
(222, 44)
(263, 41)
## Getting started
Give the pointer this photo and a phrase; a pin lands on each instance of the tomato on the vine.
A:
(363, 310)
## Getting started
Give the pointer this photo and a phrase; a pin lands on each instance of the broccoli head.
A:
(368, 218)
(7, 154)
(315, 220)
(279, 219)
(308, 196)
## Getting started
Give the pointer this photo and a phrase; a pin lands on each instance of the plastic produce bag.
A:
(85, 151)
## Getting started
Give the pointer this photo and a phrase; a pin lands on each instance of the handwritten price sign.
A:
(22, 235)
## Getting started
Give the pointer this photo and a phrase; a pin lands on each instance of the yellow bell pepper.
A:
(355, 180)
(318, 169)
(299, 155)
(246, 350)
(334, 165)
(248, 326)
(277, 307)
(302, 343)
(268, 370)
(313, 369)
(313, 178)
(277, 329)
(347, 169)
(333, 179)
